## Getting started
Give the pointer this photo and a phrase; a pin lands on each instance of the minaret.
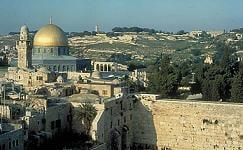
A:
(97, 29)
(24, 47)
(50, 20)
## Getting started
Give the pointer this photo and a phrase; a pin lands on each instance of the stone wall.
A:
(188, 125)
(105, 90)
(5, 111)
(12, 137)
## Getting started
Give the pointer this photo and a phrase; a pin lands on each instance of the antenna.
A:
(50, 21)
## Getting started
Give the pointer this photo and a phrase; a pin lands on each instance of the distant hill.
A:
(133, 29)
(240, 30)
(16, 33)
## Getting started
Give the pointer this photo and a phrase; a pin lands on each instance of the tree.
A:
(196, 52)
(181, 32)
(164, 79)
(86, 114)
(237, 86)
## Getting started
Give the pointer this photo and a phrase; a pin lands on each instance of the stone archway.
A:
(97, 67)
(115, 139)
(109, 67)
(105, 68)
(58, 68)
(101, 67)
(125, 141)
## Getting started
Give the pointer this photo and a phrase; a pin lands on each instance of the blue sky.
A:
(80, 15)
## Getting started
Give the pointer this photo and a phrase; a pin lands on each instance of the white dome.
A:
(60, 79)
(96, 75)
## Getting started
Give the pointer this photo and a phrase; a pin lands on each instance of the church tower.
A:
(24, 47)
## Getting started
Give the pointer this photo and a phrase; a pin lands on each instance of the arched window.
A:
(97, 67)
(67, 67)
(105, 67)
(109, 67)
(101, 67)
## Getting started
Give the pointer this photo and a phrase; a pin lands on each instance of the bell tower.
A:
(24, 47)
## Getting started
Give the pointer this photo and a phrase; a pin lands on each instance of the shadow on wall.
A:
(99, 135)
(144, 132)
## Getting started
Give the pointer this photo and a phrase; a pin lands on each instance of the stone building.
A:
(104, 87)
(31, 77)
(11, 137)
(50, 115)
(208, 59)
(108, 66)
(146, 122)
(239, 55)
(113, 124)
(140, 76)
(5, 111)
(24, 47)
(50, 50)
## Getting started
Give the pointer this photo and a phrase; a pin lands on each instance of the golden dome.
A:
(50, 35)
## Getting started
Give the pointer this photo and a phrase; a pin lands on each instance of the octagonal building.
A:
(50, 50)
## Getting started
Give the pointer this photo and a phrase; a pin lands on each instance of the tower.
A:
(97, 29)
(24, 47)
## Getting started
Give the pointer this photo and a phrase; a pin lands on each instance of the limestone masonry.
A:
(183, 125)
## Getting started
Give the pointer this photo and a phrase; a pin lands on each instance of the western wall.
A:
(186, 125)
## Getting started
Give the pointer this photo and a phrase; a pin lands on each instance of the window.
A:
(125, 119)
(39, 78)
(13, 143)
(111, 124)
(69, 118)
(9, 145)
(52, 125)
(121, 105)
(111, 111)
(29, 77)
(118, 122)
(59, 51)
(58, 123)
(131, 117)
(104, 92)
(19, 77)
(17, 142)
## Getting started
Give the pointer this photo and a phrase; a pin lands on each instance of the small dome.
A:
(96, 75)
(50, 35)
(115, 81)
(44, 69)
(60, 79)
